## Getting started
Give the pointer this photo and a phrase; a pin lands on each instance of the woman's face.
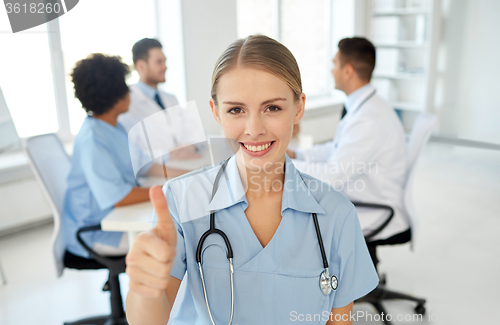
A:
(258, 111)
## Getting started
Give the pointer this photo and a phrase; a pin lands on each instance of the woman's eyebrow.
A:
(263, 103)
(272, 100)
(234, 103)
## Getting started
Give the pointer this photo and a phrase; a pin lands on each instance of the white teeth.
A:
(257, 148)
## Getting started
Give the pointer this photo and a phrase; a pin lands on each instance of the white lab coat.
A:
(366, 161)
(165, 129)
(141, 106)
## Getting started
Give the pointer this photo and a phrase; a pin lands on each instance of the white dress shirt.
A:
(366, 160)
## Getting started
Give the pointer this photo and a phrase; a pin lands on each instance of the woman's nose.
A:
(255, 126)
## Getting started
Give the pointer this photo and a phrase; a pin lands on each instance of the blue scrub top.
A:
(274, 284)
(101, 175)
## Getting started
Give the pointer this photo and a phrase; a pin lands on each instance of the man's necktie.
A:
(344, 112)
(158, 101)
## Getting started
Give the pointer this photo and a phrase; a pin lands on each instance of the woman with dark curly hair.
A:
(101, 175)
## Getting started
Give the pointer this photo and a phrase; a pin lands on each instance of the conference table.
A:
(132, 219)
(137, 218)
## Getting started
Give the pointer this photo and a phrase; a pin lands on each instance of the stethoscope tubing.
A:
(212, 229)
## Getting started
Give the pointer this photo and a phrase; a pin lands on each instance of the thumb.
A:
(165, 227)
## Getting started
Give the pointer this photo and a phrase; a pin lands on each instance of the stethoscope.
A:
(327, 282)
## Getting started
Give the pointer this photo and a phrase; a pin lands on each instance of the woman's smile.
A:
(257, 149)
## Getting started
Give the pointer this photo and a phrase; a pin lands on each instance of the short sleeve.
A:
(102, 175)
(357, 275)
(179, 268)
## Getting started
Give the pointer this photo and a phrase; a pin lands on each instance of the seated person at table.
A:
(366, 160)
(101, 175)
(169, 127)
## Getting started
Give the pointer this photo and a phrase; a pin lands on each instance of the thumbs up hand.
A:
(151, 256)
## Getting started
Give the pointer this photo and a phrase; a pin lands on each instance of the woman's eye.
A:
(234, 110)
(273, 109)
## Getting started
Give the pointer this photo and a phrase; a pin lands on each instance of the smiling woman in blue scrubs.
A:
(101, 175)
(263, 205)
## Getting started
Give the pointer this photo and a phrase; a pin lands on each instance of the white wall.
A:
(22, 202)
(470, 60)
(321, 127)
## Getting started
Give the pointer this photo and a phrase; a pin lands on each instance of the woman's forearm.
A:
(137, 195)
(167, 172)
(147, 311)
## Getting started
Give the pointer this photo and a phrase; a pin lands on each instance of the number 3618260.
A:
(33, 8)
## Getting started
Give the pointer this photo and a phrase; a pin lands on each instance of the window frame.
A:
(58, 77)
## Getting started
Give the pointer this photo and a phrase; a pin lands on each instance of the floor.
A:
(455, 263)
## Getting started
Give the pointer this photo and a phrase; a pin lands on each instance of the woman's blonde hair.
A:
(260, 52)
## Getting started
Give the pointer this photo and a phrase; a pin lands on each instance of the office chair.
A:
(51, 166)
(419, 136)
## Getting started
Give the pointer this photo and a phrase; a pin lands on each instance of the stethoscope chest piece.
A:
(328, 283)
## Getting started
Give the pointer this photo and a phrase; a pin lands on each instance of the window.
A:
(109, 27)
(305, 27)
(256, 17)
(310, 29)
(26, 79)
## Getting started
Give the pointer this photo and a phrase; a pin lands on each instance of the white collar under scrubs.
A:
(277, 284)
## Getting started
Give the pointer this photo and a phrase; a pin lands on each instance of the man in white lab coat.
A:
(147, 100)
(367, 158)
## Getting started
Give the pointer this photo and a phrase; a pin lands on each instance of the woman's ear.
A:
(215, 111)
(301, 104)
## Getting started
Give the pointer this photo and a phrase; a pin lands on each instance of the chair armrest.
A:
(92, 253)
(376, 206)
(114, 263)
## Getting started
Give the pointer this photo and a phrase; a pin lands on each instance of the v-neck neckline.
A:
(254, 237)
